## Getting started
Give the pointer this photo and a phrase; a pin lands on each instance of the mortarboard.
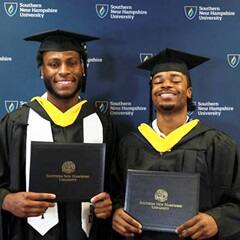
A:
(60, 40)
(171, 60)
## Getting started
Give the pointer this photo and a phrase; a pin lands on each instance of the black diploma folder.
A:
(72, 171)
(161, 201)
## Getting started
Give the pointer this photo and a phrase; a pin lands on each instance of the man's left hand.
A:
(201, 226)
(102, 205)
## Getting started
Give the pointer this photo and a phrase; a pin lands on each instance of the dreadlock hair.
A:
(190, 104)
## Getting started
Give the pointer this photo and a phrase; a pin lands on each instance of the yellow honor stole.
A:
(58, 117)
(165, 144)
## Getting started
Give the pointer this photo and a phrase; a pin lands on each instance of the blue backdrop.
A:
(129, 31)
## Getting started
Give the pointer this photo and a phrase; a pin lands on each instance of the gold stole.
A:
(58, 117)
(161, 144)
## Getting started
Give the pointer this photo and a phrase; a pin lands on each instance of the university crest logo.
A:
(190, 12)
(11, 105)
(145, 56)
(161, 195)
(233, 60)
(102, 106)
(102, 10)
(10, 8)
(68, 167)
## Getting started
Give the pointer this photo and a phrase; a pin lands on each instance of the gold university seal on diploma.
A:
(68, 167)
(161, 195)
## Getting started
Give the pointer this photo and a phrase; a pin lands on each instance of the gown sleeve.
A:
(4, 173)
(119, 175)
(4, 182)
(224, 157)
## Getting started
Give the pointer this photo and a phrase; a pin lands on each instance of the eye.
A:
(176, 79)
(157, 80)
(73, 62)
(53, 64)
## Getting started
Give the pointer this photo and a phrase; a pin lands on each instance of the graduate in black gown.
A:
(175, 143)
(63, 115)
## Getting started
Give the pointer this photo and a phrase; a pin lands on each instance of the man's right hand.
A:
(27, 204)
(124, 224)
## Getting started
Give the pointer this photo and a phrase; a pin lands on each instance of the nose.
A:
(167, 83)
(63, 70)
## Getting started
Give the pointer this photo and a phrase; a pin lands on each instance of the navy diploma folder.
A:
(72, 171)
(161, 201)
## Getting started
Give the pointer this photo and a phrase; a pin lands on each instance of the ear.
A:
(83, 68)
(189, 92)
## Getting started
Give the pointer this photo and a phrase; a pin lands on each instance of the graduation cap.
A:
(171, 60)
(60, 40)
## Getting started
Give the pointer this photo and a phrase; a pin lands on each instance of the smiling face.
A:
(62, 73)
(170, 92)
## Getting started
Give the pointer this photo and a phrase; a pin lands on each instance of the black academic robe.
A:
(203, 150)
(12, 175)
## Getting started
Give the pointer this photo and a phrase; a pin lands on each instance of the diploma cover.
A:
(161, 201)
(72, 171)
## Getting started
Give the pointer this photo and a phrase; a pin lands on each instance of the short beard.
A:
(50, 89)
(169, 109)
(166, 108)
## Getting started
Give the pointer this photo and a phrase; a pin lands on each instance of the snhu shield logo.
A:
(10, 8)
(145, 56)
(233, 60)
(102, 10)
(190, 12)
(102, 106)
(191, 113)
(11, 105)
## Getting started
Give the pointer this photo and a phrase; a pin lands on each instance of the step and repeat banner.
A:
(129, 32)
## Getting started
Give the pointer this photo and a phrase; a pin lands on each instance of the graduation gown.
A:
(207, 151)
(12, 175)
